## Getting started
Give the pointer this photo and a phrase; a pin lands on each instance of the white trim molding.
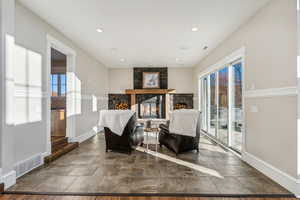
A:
(290, 183)
(85, 136)
(58, 45)
(236, 56)
(272, 92)
(240, 53)
(9, 179)
(71, 65)
(29, 164)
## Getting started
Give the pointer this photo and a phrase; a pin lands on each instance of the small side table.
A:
(152, 130)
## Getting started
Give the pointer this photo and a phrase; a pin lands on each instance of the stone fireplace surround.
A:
(115, 102)
(130, 99)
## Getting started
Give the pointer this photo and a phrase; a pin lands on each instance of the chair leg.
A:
(197, 150)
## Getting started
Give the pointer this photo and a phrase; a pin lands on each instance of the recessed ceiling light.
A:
(195, 29)
(99, 30)
(122, 60)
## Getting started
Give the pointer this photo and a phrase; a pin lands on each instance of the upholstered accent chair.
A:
(132, 136)
(179, 143)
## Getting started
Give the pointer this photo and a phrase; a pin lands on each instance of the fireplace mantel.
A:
(134, 92)
(149, 91)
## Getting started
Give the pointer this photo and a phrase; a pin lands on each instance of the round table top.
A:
(151, 129)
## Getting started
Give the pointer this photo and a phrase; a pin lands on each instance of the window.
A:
(204, 103)
(237, 106)
(221, 104)
(94, 103)
(213, 104)
(58, 85)
(63, 85)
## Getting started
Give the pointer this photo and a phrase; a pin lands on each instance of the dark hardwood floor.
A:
(44, 197)
(90, 170)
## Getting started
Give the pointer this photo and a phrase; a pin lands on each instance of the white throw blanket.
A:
(115, 120)
(184, 122)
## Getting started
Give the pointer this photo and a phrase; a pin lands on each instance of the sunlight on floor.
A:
(181, 162)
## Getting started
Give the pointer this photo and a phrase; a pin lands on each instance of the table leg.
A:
(156, 144)
(147, 141)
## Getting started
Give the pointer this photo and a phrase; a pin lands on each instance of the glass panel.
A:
(216, 113)
(223, 105)
(54, 84)
(204, 104)
(237, 107)
(212, 104)
(63, 86)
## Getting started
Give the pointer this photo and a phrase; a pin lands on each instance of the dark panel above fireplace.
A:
(138, 76)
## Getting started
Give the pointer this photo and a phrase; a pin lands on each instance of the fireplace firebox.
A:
(151, 106)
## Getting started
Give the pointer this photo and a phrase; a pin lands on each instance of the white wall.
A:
(180, 79)
(7, 134)
(31, 32)
(120, 80)
(271, 49)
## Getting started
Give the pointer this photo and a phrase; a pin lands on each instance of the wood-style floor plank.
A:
(45, 197)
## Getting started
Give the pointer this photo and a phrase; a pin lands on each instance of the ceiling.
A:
(143, 33)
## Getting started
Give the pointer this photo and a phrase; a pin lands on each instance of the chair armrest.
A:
(164, 128)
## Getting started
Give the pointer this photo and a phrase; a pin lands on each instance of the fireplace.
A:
(179, 106)
(151, 106)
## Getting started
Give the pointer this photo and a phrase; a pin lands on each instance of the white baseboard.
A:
(84, 137)
(23, 167)
(45, 154)
(9, 179)
(290, 183)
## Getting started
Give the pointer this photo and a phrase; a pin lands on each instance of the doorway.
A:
(58, 95)
(222, 104)
(61, 61)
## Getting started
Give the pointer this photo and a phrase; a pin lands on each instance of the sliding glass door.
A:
(237, 107)
(204, 103)
(221, 104)
(212, 107)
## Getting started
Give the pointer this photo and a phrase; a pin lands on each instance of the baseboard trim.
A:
(23, 167)
(290, 183)
(45, 154)
(84, 137)
(9, 179)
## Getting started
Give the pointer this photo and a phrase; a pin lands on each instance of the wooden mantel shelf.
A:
(149, 91)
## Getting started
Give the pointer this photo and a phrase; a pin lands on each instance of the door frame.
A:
(71, 66)
(238, 54)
